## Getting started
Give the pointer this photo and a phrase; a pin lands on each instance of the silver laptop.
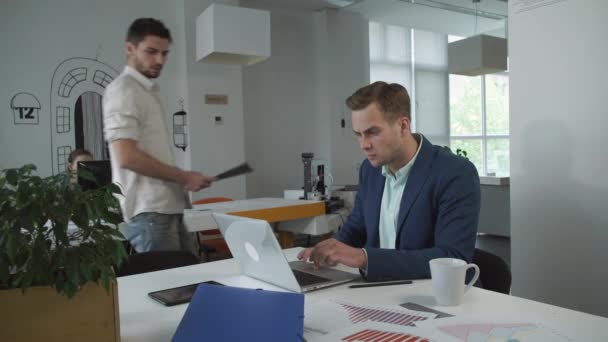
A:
(257, 251)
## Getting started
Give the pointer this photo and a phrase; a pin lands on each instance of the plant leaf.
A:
(12, 177)
(87, 174)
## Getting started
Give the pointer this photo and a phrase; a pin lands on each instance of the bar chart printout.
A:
(371, 332)
(379, 335)
(360, 313)
(329, 315)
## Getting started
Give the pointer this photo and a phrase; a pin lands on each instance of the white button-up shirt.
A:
(132, 110)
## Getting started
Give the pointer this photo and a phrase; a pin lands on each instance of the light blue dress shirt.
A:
(391, 199)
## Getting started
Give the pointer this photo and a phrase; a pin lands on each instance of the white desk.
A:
(142, 319)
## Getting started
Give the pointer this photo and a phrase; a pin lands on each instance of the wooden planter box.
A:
(41, 314)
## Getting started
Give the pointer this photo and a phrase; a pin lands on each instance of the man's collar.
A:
(406, 168)
(143, 80)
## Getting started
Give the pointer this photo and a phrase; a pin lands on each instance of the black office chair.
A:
(155, 261)
(495, 274)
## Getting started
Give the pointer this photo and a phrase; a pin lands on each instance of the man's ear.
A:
(405, 124)
(130, 48)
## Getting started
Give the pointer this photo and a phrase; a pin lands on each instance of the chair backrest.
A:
(155, 261)
(495, 274)
(212, 200)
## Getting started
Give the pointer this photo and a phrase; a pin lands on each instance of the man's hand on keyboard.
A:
(332, 252)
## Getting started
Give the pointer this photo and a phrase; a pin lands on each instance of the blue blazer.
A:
(438, 215)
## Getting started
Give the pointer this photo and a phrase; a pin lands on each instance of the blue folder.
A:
(225, 313)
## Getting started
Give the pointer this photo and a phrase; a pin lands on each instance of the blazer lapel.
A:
(416, 179)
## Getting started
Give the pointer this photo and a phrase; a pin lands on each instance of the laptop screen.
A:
(100, 169)
(257, 251)
(255, 248)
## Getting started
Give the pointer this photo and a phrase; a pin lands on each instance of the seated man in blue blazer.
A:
(416, 201)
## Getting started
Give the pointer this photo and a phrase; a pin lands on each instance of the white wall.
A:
(96, 30)
(294, 100)
(215, 147)
(296, 97)
(346, 70)
(559, 116)
(38, 36)
(280, 106)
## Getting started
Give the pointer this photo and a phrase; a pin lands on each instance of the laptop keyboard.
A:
(305, 279)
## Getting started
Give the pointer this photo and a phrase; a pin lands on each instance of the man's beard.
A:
(140, 68)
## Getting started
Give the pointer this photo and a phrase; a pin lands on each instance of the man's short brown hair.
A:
(392, 99)
(142, 27)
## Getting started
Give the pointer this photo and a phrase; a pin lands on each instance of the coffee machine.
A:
(307, 160)
(313, 184)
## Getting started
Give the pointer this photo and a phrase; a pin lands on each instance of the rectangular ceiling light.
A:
(477, 55)
(232, 35)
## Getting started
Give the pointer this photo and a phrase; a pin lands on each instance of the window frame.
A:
(484, 137)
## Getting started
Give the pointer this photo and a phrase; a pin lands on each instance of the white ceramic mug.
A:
(448, 276)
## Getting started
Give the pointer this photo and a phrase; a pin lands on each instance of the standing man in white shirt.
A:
(154, 190)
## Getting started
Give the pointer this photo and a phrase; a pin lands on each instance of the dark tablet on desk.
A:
(178, 295)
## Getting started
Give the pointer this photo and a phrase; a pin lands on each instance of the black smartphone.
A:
(178, 295)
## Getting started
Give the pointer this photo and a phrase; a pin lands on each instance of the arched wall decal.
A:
(72, 78)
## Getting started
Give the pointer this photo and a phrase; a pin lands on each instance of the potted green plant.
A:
(59, 245)
(459, 152)
(462, 153)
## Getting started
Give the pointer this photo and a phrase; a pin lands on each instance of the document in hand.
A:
(235, 171)
(225, 313)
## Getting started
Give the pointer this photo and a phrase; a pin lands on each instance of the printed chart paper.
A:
(476, 328)
(370, 332)
(326, 316)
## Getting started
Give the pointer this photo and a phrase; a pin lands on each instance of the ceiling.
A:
(457, 17)
(491, 7)
(310, 5)
(486, 8)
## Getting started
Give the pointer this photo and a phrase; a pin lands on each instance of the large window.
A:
(474, 117)
(479, 120)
